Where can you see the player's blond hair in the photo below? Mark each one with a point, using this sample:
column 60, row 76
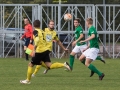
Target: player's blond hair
column 89, row 20
column 51, row 21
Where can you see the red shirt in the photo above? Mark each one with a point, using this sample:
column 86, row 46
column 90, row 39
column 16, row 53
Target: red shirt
column 28, row 31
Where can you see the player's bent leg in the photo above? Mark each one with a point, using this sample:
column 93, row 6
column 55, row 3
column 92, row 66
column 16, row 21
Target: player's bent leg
column 47, row 69
column 47, row 64
column 82, row 59
column 57, row 65
column 43, row 65
column 92, row 72
column 101, row 59
column 93, row 68
column 53, row 66
column 37, row 68
column 87, row 62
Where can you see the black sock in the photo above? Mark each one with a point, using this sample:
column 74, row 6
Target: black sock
column 26, row 56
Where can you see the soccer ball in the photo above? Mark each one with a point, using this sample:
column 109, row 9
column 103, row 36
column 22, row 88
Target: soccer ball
column 67, row 17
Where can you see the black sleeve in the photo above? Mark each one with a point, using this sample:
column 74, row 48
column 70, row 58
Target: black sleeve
column 35, row 33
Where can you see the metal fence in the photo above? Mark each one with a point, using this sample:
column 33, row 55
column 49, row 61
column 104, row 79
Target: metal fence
column 105, row 18
column 11, row 27
column 107, row 24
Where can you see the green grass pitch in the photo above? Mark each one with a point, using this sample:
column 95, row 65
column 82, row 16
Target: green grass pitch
column 12, row 70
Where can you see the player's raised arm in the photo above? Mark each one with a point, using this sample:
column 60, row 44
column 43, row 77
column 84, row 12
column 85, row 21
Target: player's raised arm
column 61, row 45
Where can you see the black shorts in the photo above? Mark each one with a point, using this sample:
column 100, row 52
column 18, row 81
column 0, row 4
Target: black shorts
column 44, row 56
column 27, row 41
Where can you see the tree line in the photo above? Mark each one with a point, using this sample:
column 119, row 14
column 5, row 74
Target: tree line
column 53, row 1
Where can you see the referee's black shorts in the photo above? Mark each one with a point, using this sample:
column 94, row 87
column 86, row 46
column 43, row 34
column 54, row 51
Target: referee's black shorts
column 44, row 56
column 27, row 41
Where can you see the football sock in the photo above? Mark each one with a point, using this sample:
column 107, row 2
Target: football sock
column 98, row 58
column 94, row 69
column 37, row 69
column 29, row 73
column 71, row 61
column 83, row 61
column 56, row 65
column 27, row 57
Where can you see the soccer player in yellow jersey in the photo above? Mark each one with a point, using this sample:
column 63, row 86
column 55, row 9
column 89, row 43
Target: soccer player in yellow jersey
column 49, row 35
column 41, row 53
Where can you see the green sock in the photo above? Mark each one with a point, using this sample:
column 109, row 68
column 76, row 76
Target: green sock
column 94, row 69
column 98, row 58
column 71, row 60
column 83, row 61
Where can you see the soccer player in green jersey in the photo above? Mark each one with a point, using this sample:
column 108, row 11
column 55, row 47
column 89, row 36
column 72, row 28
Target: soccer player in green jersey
column 79, row 47
column 91, row 52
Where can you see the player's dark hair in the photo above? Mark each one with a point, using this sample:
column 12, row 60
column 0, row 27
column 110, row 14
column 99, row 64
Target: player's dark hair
column 89, row 20
column 51, row 21
column 26, row 18
column 36, row 23
column 77, row 19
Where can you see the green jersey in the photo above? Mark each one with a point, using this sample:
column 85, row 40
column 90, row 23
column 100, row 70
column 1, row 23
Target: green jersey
column 78, row 31
column 94, row 41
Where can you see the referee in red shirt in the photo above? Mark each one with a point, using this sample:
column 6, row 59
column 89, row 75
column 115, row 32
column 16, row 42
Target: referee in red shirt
column 28, row 35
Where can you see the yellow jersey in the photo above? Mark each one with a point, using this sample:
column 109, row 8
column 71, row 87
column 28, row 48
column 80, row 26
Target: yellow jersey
column 49, row 36
column 39, row 41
